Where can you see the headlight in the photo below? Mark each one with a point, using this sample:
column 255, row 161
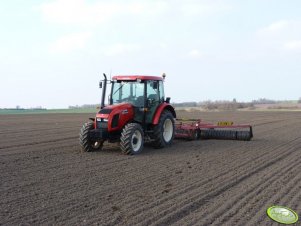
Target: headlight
column 101, row 119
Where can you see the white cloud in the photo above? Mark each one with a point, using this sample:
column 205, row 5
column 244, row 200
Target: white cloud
column 194, row 53
column 204, row 8
column 121, row 49
column 293, row 45
column 163, row 45
column 77, row 12
column 85, row 13
column 280, row 35
column 70, row 42
column 80, row 12
column 281, row 27
column 277, row 26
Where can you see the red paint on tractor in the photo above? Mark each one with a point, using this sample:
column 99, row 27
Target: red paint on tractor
column 159, row 111
column 135, row 77
column 126, row 114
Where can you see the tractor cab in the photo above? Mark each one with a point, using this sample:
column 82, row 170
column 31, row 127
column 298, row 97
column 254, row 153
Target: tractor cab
column 144, row 93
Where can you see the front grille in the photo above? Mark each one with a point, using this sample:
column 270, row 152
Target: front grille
column 102, row 125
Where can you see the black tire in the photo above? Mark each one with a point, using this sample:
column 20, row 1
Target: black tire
column 132, row 139
column 84, row 140
column 160, row 139
column 196, row 135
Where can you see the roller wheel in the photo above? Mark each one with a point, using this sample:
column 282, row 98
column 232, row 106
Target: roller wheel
column 243, row 135
column 132, row 139
column 226, row 134
column 84, row 139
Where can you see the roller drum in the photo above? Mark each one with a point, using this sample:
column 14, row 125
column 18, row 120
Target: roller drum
column 225, row 134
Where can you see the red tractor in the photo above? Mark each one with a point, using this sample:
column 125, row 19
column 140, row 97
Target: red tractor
column 137, row 112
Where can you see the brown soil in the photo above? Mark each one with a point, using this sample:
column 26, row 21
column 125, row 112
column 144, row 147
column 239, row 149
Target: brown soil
column 45, row 179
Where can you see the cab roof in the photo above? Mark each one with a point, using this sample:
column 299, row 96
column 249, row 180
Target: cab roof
column 135, row 77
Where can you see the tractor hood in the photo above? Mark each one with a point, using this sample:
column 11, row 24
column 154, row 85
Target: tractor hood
column 116, row 115
column 122, row 108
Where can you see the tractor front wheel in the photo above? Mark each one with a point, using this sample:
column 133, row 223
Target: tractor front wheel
column 132, row 139
column 164, row 131
column 84, row 139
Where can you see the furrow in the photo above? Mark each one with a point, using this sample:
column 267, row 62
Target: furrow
column 232, row 207
column 257, row 216
column 183, row 191
column 204, row 181
column 281, row 196
column 195, row 200
column 295, row 202
column 34, row 136
column 91, row 195
column 179, row 188
column 14, row 131
column 39, row 142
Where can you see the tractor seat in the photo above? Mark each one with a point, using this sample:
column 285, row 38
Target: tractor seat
column 140, row 101
column 153, row 96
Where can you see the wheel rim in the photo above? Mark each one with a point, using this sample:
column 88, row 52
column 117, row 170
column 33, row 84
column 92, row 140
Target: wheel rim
column 136, row 140
column 167, row 130
column 96, row 144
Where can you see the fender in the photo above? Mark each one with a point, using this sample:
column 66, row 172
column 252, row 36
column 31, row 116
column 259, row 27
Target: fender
column 160, row 109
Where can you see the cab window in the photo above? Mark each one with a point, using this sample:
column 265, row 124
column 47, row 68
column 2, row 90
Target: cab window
column 153, row 90
column 161, row 91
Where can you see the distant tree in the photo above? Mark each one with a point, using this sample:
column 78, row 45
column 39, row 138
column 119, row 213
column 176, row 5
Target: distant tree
column 264, row 101
column 299, row 101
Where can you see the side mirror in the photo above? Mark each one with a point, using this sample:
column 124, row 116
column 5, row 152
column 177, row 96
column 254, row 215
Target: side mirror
column 100, row 85
column 167, row 100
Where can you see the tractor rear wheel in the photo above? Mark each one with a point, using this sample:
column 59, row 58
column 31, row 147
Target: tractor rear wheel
column 132, row 139
column 84, row 139
column 164, row 131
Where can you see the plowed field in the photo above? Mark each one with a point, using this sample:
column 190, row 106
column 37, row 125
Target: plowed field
column 45, row 179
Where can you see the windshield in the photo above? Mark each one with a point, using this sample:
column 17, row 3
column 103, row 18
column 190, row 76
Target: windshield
column 128, row 91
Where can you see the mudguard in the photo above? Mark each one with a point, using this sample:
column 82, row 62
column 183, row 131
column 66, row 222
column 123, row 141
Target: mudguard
column 160, row 109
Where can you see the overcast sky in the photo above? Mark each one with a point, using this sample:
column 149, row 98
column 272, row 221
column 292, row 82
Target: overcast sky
column 53, row 53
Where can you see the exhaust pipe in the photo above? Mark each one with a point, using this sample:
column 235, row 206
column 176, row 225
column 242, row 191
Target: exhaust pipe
column 102, row 104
